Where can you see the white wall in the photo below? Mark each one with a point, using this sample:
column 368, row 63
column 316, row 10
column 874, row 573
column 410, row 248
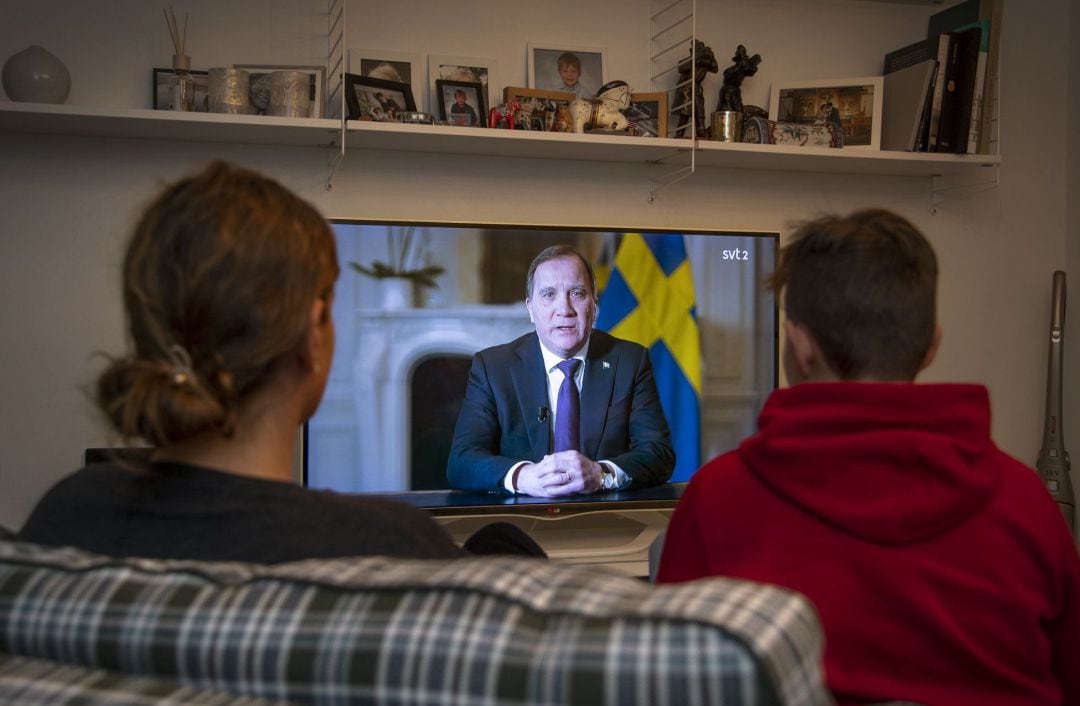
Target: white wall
column 67, row 203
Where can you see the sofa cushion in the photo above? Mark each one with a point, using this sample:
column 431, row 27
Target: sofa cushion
column 378, row 630
column 36, row 682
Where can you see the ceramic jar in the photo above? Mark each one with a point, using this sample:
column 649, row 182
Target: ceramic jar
column 34, row 75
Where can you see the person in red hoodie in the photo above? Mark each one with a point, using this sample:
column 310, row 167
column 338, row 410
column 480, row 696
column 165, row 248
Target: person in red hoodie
column 942, row 569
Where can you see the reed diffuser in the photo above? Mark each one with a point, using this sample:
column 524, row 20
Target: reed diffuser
column 181, row 85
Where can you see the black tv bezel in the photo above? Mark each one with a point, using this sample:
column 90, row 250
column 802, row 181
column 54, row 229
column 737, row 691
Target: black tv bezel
column 548, row 508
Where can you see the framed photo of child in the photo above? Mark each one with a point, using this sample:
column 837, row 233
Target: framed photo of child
column 482, row 70
column 461, row 103
column 578, row 70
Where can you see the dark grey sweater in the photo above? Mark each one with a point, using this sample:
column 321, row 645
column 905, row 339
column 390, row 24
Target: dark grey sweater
column 177, row 511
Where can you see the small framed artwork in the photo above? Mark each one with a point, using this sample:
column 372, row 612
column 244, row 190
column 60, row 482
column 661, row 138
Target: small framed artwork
column 260, row 86
column 369, row 98
column 543, row 106
column 461, row 103
column 402, row 67
column 465, row 68
column 160, row 90
column 852, row 104
column 648, row 114
column 578, row 70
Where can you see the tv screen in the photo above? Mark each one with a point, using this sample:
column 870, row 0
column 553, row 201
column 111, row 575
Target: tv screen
column 695, row 298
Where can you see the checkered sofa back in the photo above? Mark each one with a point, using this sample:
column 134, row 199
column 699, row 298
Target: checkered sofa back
column 382, row 631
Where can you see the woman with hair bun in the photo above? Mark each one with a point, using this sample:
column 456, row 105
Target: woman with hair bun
column 228, row 285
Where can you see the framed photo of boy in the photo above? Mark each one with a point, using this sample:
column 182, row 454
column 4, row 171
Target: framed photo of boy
column 403, row 67
column 578, row 70
column 648, row 113
column 259, row 76
column 472, row 69
column 461, row 103
column 853, row 104
column 369, row 98
column 159, row 97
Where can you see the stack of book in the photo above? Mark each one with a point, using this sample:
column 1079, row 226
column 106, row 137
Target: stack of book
column 940, row 92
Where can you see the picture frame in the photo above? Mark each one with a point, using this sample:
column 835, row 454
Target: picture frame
column 389, row 65
column 648, row 112
column 531, row 97
column 480, row 69
column 469, row 111
column 853, row 103
column 260, row 86
column 543, row 67
column 159, row 90
column 370, row 98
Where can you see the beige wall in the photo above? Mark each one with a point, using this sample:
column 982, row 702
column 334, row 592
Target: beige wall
column 66, row 203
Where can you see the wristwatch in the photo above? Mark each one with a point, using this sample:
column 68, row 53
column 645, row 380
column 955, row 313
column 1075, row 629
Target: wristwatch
column 608, row 479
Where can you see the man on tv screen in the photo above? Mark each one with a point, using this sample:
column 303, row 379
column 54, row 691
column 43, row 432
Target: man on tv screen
column 565, row 409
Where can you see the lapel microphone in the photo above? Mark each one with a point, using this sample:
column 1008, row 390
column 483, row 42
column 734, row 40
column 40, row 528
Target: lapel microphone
column 542, row 414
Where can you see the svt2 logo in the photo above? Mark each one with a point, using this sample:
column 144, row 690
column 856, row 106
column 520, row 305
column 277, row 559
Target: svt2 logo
column 737, row 254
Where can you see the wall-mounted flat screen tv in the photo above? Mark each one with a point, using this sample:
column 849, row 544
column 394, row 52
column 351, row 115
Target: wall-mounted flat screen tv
column 695, row 298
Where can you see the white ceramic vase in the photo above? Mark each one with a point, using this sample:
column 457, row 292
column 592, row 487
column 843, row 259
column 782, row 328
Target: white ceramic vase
column 36, row 76
column 398, row 293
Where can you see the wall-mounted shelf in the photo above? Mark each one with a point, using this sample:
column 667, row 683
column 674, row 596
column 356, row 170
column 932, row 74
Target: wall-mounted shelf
column 165, row 125
column 431, row 139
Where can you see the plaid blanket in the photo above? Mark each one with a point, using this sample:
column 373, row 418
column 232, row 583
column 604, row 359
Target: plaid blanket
column 386, row 631
column 37, row 682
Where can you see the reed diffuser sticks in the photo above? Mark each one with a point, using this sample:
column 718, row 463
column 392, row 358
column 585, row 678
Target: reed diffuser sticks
column 179, row 38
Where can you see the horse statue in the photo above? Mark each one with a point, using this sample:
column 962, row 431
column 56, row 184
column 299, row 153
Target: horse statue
column 605, row 112
column 505, row 113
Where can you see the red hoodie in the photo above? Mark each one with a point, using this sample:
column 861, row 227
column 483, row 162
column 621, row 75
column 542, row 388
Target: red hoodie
column 942, row 569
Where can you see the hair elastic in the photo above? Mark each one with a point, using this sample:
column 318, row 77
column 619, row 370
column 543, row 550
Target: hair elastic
column 181, row 361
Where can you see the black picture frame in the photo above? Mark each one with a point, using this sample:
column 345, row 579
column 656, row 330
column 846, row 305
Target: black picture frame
column 362, row 97
column 473, row 91
column 159, row 90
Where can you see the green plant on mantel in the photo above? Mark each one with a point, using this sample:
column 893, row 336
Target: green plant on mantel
column 408, row 257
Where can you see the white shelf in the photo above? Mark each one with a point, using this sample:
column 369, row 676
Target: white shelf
column 165, row 125
column 259, row 129
column 509, row 143
column 847, row 160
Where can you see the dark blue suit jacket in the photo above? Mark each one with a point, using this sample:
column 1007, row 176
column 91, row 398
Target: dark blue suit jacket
column 499, row 424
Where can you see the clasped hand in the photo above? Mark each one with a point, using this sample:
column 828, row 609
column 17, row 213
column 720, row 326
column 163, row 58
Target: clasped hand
column 562, row 473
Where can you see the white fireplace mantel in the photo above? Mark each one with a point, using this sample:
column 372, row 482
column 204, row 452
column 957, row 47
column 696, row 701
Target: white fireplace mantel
column 371, row 448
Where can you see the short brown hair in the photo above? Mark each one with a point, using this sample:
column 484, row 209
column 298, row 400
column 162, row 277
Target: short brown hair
column 557, row 252
column 865, row 286
column 569, row 59
column 219, row 279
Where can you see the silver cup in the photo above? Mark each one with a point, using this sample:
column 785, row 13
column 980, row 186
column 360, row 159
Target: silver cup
column 290, row 94
column 726, row 126
column 228, row 92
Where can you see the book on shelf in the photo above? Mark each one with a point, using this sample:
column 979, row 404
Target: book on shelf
column 959, row 88
column 988, row 112
column 985, row 14
column 906, row 94
column 934, row 122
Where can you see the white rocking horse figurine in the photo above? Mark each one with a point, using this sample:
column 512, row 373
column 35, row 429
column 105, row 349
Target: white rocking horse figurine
column 605, row 111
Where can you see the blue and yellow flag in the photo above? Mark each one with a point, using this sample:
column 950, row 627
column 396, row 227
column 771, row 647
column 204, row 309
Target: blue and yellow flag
column 649, row 298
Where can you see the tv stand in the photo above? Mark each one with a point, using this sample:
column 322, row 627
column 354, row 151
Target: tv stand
column 612, row 529
column 615, row 538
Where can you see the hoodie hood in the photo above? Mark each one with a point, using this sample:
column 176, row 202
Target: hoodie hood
column 892, row 463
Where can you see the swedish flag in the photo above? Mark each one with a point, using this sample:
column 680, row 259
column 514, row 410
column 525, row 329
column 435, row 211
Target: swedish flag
column 649, row 298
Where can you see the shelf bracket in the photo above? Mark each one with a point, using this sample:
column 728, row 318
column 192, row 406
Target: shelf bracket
column 335, row 89
column 944, row 185
column 669, row 31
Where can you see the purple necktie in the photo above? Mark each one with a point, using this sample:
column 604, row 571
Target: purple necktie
column 567, row 424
